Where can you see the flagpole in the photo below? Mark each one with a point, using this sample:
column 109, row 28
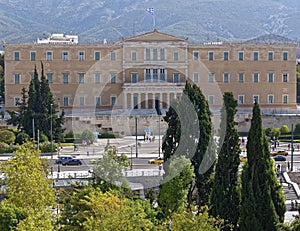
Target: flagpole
column 154, row 21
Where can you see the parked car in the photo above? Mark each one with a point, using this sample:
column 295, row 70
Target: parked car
column 280, row 153
column 279, row 158
column 158, row 160
column 63, row 159
column 72, row 162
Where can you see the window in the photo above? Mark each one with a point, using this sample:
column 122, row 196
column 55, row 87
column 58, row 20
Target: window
column 211, row 77
column 176, row 78
column 134, row 77
column 98, row 100
column 49, row 77
column 270, row 77
column 147, row 54
column 241, row 77
column 196, row 55
column 210, row 56
column 255, row 55
column 162, row 54
column 270, row 55
column 49, row 55
column 241, row 55
column 65, row 78
column 81, row 55
column 211, row 99
column 148, row 75
column 32, row 55
column 196, row 78
column 241, row 99
column 113, row 100
column 162, row 75
column 97, row 77
column 17, row 56
column 133, row 55
column 285, row 55
column 285, row 77
column 81, row 78
column 135, row 102
column 113, row 78
column 113, row 56
column 284, row 99
column 226, row 55
column 97, row 55
column 66, row 101
column 175, row 56
column 17, row 78
column 155, row 54
column 17, row 101
column 155, row 75
column 255, row 77
column 81, row 101
column 270, row 99
column 65, row 55
column 256, row 98
column 226, row 77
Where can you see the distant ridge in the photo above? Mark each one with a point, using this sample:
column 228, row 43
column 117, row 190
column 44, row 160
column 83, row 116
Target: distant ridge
column 270, row 39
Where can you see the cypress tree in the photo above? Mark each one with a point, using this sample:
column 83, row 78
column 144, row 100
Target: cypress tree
column 37, row 107
column 258, row 207
column 225, row 198
column 189, row 133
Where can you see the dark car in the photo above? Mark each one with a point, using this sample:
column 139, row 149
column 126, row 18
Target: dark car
column 63, row 159
column 279, row 158
column 72, row 162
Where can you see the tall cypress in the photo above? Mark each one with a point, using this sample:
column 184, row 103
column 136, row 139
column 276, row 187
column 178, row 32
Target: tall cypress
column 225, row 197
column 190, row 133
column 258, row 207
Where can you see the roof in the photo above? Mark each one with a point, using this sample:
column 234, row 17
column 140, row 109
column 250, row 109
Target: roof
column 154, row 36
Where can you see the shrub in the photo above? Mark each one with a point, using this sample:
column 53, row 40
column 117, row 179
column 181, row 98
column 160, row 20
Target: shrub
column 45, row 147
column 7, row 136
column 284, row 129
column 22, row 137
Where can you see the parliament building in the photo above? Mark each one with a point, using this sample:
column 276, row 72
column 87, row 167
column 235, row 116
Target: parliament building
column 94, row 82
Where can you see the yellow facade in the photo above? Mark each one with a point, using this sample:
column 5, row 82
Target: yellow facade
column 150, row 69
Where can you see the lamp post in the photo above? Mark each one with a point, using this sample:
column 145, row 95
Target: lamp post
column 131, row 146
column 159, row 134
column 51, row 136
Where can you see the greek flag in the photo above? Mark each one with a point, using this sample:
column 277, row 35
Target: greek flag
column 151, row 11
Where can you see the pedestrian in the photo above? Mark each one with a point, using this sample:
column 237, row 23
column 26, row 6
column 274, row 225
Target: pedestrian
column 289, row 186
column 288, row 165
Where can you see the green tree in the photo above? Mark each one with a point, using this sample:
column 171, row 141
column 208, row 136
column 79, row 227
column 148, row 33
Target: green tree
column 7, row 136
column 2, row 95
column 10, row 216
column 189, row 133
column 192, row 221
column 297, row 129
column 92, row 209
column 261, row 209
column 225, row 198
column 88, row 136
column 175, row 186
column 108, row 172
column 284, row 129
column 28, row 186
column 38, row 110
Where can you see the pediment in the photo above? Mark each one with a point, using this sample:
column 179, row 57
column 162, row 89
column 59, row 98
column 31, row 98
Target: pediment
column 154, row 36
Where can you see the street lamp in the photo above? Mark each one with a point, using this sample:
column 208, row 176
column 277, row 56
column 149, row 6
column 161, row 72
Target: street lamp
column 51, row 136
column 131, row 146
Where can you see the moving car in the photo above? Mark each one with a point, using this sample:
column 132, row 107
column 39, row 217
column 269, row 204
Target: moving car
column 72, row 162
column 63, row 159
column 279, row 158
column 281, row 153
column 158, row 160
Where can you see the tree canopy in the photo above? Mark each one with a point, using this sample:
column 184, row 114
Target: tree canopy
column 38, row 110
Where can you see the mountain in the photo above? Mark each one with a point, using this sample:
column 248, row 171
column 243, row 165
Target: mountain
column 199, row 20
